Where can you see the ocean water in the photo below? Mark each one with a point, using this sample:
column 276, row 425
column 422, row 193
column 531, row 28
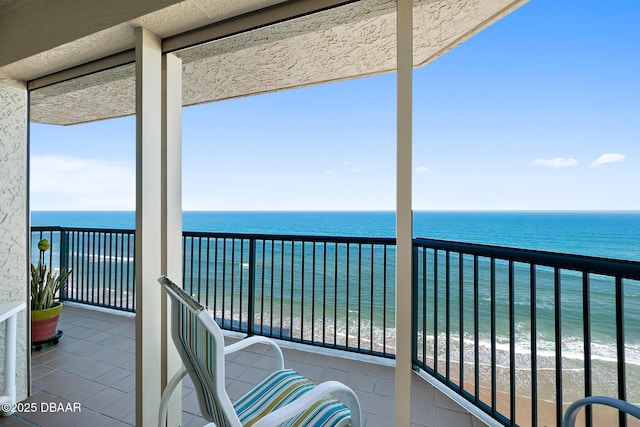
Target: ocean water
column 601, row 234
column 609, row 235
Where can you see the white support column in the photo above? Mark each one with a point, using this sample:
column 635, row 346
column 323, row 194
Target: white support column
column 404, row 216
column 148, row 226
column 171, row 215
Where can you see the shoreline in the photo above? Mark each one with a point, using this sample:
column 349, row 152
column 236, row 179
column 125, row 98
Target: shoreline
column 573, row 378
column 546, row 408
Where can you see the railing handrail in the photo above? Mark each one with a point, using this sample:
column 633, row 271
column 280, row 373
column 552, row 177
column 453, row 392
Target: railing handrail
column 246, row 236
column 46, row 228
column 589, row 264
column 81, row 229
column 294, row 237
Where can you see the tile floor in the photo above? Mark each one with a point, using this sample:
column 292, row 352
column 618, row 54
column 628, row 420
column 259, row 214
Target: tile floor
column 93, row 367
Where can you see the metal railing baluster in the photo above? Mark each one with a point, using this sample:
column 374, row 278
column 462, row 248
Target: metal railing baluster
column 476, row 331
column 557, row 299
column 622, row 384
column 448, row 315
column 492, row 285
column 586, row 328
column 251, row 298
column 461, row 321
column 512, row 343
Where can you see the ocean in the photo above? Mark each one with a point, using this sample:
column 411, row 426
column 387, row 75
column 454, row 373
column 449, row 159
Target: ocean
column 600, row 234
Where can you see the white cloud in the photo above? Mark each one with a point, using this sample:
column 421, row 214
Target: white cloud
column 607, row 158
column 346, row 169
column 421, row 169
column 349, row 168
column 72, row 183
column 558, row 162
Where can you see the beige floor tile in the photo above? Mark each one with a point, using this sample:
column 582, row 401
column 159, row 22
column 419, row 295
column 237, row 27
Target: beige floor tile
column 99, row 373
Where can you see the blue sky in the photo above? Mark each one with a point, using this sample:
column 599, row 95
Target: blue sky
column 541, row 111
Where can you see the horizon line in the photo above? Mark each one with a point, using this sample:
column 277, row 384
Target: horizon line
column 369, row 210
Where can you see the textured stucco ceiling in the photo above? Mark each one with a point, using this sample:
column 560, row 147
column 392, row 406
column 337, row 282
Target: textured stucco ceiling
column 347, row 42
column 183, row 16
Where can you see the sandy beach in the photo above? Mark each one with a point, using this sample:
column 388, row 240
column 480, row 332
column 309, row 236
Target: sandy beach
column 546, row 404
column 573, row 377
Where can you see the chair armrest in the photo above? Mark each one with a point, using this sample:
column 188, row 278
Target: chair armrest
column 166, row 395
column 308, row 399
column 247, row 342
column 572, row 411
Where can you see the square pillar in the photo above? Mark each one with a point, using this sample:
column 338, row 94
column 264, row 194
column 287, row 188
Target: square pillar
column 171, row 216
column 404, row 215
column 14, row 222
column 148, row 238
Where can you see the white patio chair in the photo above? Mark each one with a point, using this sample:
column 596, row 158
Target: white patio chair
column 572, row 411
column 283, row 398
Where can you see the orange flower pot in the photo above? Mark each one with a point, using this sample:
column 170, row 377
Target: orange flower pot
column 44, row 323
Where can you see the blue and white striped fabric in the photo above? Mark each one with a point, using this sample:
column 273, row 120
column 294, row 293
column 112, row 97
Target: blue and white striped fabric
column 277, row 390
column 281, row 388
column 199, row 346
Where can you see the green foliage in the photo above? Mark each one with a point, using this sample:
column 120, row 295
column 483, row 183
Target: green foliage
column 45, row 286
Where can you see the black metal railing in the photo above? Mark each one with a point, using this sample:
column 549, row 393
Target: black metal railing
column 101, row 260
column 521, row 334
column 335, row 292
column 505, row 328
column 327, row 291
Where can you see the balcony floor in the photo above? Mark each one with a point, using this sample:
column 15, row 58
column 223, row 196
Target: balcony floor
column 93, row 365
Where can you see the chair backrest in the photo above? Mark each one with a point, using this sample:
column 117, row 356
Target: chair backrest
column 201, row 346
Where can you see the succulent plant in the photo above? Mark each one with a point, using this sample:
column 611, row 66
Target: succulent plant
column 45, row 285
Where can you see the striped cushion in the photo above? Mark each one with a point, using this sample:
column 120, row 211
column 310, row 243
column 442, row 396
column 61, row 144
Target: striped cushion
column 326, row 412
column 283, row 387
column 199, row 347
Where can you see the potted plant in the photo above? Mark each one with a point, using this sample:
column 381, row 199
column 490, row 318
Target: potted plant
column 45, row 294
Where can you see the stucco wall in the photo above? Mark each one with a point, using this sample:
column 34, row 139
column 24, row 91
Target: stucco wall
column 13, row 218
